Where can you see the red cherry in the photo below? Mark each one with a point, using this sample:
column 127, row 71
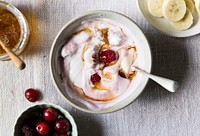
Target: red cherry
column 62, row 125
column 42, row 128
column 108, row 56
column 32, row 95
column 95, row 78
column 50, row 114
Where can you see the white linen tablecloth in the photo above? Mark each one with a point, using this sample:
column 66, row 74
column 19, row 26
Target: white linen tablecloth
column 155, row 113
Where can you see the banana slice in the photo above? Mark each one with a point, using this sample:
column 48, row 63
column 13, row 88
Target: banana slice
column 127, row 61
column 190, row 5
column 174, row 10
column 155, row 7
column 197, row 5
column 184, row 23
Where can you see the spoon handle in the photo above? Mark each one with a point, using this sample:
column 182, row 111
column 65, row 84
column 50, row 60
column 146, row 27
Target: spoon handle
column 168, row 84
column 19, row 63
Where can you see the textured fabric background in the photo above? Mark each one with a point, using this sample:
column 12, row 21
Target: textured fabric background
column 155, row 113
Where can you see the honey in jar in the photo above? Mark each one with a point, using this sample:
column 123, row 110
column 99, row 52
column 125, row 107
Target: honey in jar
column 9, row 29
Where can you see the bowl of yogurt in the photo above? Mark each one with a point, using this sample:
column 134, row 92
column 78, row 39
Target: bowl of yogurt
column 91, row 61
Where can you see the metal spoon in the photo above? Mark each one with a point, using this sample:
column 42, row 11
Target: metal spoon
column 19, row 63
column 168, row 84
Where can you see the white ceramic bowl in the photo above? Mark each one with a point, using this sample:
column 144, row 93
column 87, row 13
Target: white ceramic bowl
column 69, row 29
column 26, row 115
column 24, row 28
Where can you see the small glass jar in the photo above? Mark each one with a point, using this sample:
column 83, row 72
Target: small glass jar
column 24, row 30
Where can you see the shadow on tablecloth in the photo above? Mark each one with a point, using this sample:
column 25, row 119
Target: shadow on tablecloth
column 87, row 124
column 170, row 60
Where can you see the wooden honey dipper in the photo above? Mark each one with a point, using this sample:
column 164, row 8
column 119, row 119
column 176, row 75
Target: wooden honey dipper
column 19, row 63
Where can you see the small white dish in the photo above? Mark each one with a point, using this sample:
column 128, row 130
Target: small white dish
column 164, row 26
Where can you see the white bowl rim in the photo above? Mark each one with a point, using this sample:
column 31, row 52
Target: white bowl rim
column 62, row 110
column 51, row 66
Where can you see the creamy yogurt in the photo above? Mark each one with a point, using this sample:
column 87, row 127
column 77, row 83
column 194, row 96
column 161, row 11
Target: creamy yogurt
column 81, row 60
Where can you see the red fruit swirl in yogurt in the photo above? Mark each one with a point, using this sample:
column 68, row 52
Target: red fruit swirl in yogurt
column 97, row 63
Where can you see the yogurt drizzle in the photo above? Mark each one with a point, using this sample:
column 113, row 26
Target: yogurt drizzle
column 118, row 81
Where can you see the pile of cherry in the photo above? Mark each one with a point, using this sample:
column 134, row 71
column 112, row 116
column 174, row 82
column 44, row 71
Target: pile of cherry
column 46, row 122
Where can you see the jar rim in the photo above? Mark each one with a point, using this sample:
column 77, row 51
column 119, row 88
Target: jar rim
column 24, row 29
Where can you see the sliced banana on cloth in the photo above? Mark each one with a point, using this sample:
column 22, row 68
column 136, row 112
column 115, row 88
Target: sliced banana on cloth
column 197, row 5
column 155, row 7
column 177, row 12
column 174, row 10
column 190, row 5
column 184, row 23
